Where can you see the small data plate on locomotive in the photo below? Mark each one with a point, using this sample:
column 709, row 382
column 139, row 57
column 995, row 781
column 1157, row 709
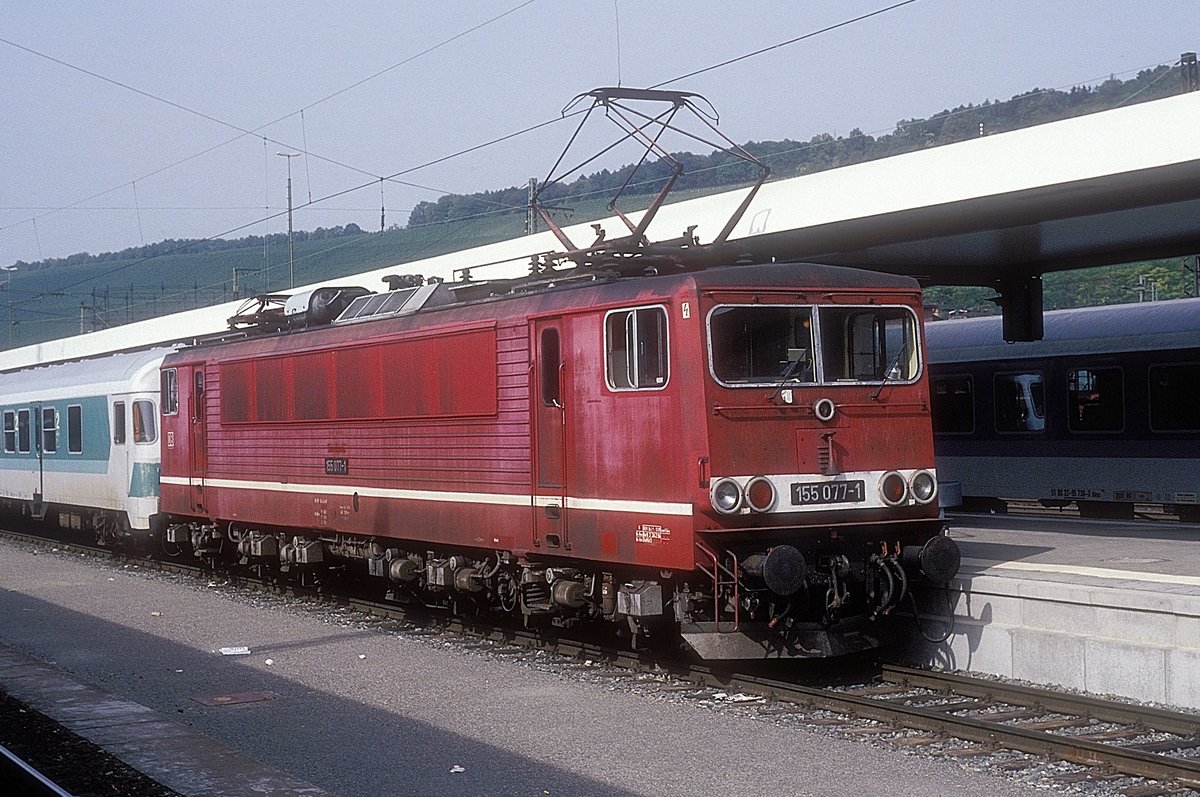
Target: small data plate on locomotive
column 336, row 466
column 847, row 492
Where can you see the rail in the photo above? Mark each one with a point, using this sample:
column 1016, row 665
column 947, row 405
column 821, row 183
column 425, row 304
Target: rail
column 19, row 777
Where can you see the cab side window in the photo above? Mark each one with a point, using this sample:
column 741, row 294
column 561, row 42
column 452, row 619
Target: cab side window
column 170, row 392
column 635, row 349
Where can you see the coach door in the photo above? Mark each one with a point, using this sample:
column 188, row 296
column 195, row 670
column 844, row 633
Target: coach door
column 197, row 412
column 551, row 406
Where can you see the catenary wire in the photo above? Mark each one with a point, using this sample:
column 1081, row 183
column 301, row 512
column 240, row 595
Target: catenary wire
column 809, row 35
column 242, row 132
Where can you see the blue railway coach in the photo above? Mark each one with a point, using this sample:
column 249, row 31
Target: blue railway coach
column 80, row 443
column 1104, row 411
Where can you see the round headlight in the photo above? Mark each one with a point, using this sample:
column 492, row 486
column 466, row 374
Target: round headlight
column 760, row 494
column 893, row 489
column 923, row 486
column 726, row 496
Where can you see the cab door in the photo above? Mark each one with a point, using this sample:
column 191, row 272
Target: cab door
column 549, row 395
column 198, row 416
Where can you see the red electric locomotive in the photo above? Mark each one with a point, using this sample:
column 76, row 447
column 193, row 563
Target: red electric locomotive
column 741, row 453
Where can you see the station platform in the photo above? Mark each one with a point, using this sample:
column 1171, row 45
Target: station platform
column 177, row 756
column 1108, row 607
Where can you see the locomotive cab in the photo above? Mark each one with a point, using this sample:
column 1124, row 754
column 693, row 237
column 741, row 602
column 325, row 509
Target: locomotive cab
column 821, row 501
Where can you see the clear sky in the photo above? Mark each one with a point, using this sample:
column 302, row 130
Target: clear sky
column 88, row 165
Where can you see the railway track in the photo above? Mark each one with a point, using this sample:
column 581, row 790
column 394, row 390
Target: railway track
column 962, row 716
column 23, row 779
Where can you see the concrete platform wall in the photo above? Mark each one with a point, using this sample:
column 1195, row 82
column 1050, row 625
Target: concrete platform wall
column 1129, row 638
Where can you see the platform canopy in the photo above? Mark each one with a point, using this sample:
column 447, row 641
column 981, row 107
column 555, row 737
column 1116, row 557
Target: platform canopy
column 999, row 210
column 1110, row 187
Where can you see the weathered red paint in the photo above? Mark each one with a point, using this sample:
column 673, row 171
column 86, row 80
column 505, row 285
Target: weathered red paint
column 470, row 401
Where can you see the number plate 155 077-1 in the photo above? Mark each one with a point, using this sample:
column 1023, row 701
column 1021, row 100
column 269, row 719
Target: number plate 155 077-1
column 846, row 492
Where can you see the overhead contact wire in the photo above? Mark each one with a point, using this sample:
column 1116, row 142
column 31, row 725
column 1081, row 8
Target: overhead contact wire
column 242, row 132
column 809, row 35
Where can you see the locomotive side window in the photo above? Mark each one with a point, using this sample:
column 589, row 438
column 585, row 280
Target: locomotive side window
column 761, row 344
column 170, row 392
column 1173, row 392
column 953, row 405
column 118, row 423
column 145, row 427
column 868, row 345
column 635, row 348
column 551, row 360
column 1020, row 402
column 1095, row 400
column 23, row 440
column 74, row 429
column 49, row 430
column 10, row 432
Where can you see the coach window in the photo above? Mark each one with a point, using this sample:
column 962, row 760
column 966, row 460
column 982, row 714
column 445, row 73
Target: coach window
column 145, row 430
column 1020, row 403
column 1095, row 400
column 74, row 429
column 49, row 430
column 635, row 348
column 118, row 423
column 953, row 405
column 1173, row 392
column 24, row 444
column 551, row 360
column 170, row 392
column 10, row 432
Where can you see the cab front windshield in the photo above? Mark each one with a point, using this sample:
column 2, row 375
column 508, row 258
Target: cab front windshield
column 775, row 344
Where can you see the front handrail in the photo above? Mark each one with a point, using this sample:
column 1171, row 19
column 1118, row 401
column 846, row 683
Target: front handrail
column 715, row 574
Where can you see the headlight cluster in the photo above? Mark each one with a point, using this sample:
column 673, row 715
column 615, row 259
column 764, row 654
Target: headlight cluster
column 894, row 489
column 729, row 497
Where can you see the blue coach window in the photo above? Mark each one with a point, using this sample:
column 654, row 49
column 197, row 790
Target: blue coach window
column 49, row 430
column 1173, row 391
column 1095, row 400
column 118, row 425
column 10, row 432
column 952, row 405
column 1020, row 402
column 145, row 429
column 23, row 436
column 75, row 429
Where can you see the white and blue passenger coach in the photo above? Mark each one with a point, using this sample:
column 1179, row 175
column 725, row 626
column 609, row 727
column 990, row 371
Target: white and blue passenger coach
column 81, row 443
